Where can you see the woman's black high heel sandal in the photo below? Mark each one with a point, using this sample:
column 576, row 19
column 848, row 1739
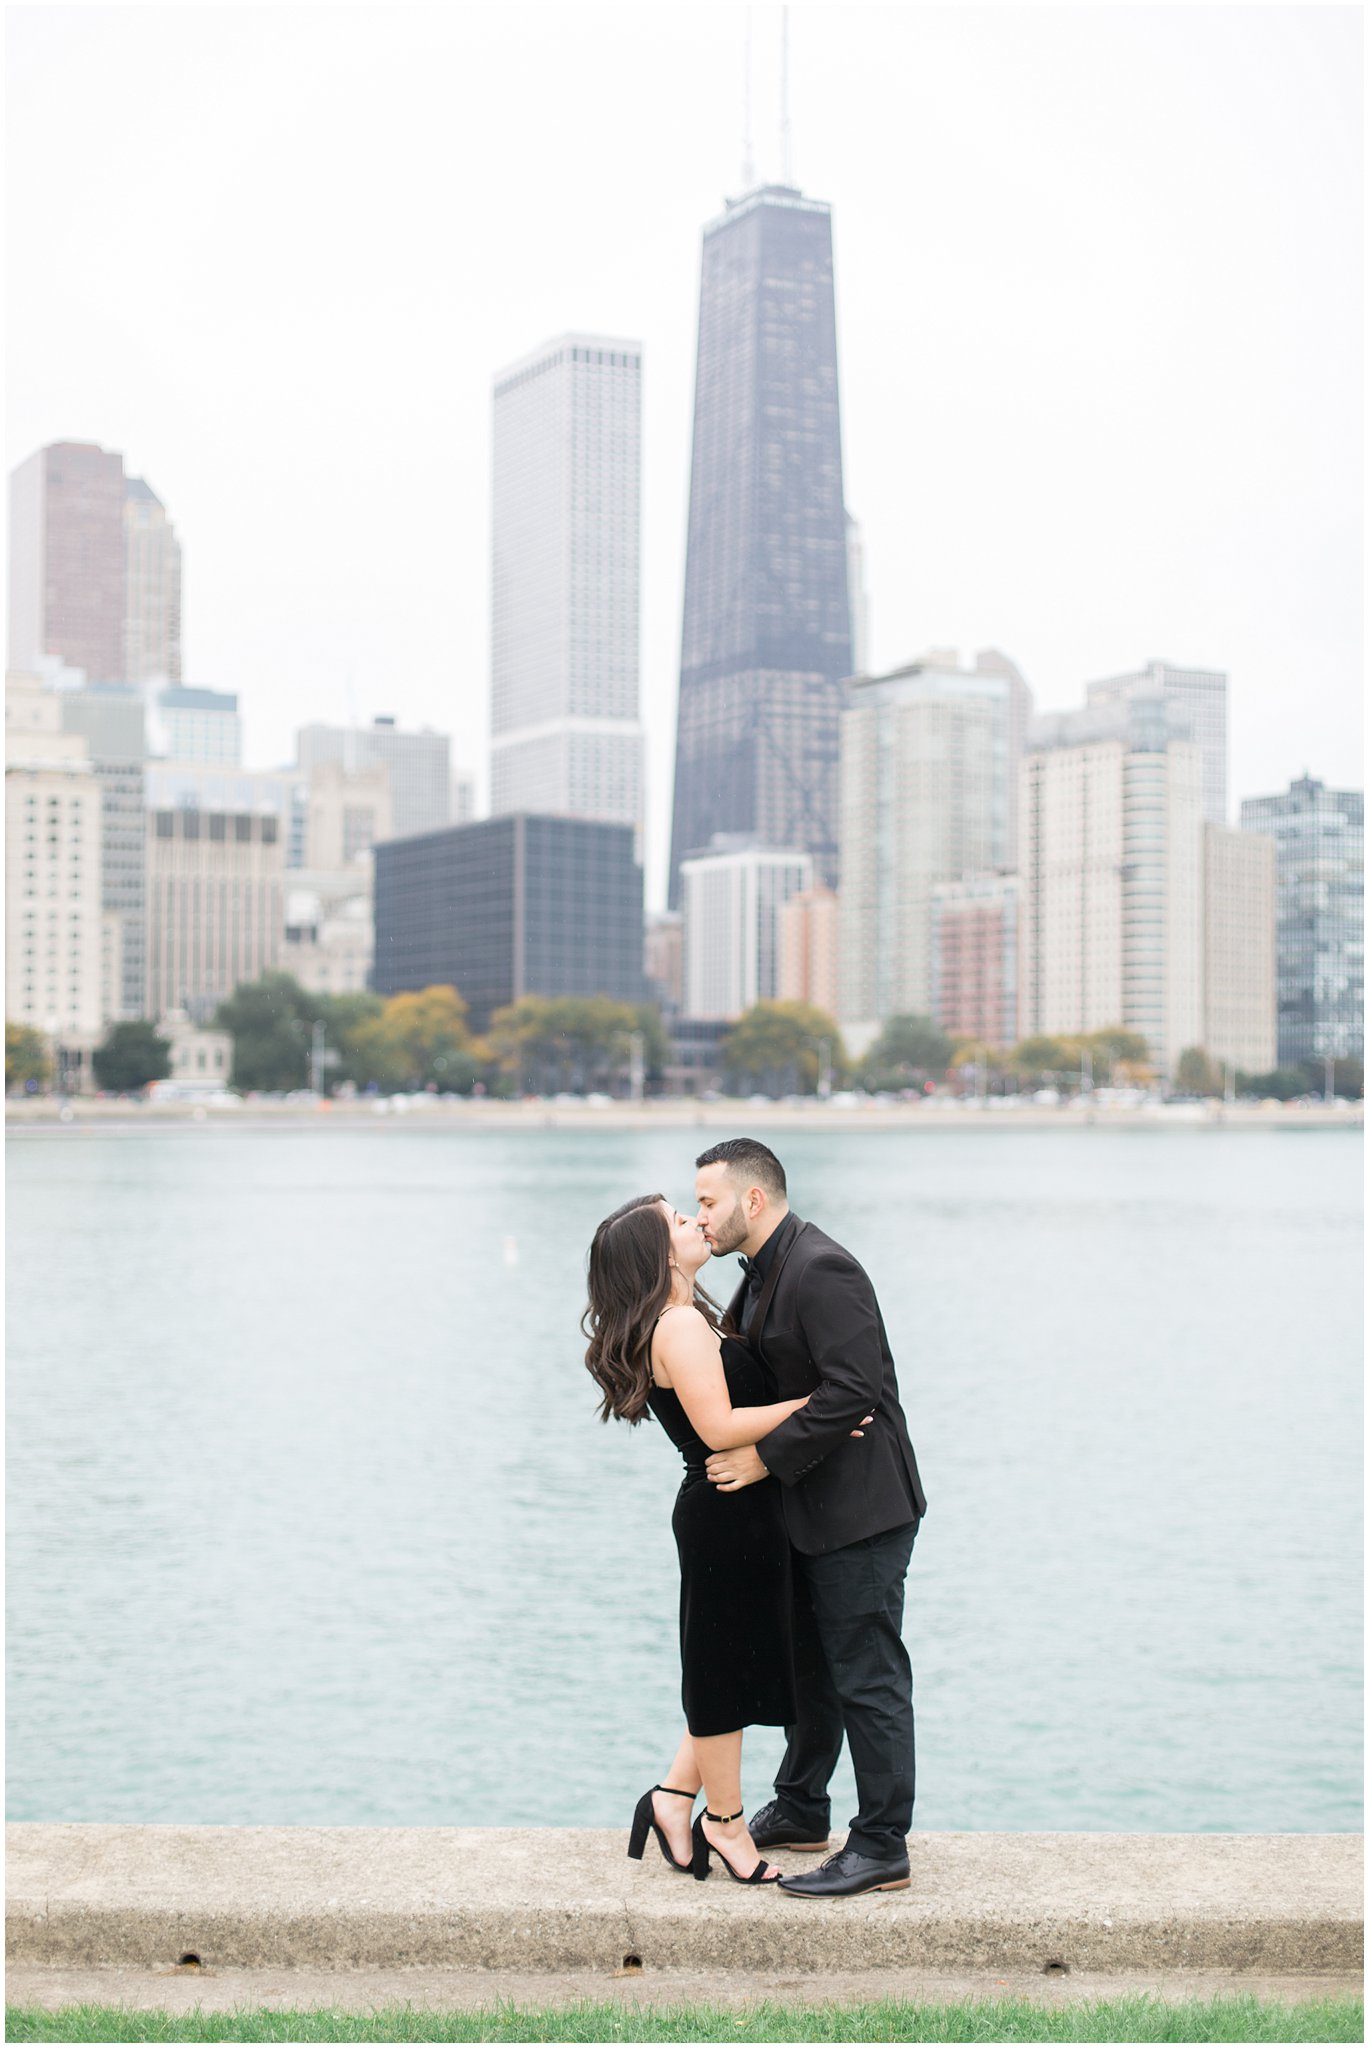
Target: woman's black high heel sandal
column 645, row 1818
column 764, row 1873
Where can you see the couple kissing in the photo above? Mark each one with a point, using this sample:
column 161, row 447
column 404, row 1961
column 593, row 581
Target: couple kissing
column 794, row 1522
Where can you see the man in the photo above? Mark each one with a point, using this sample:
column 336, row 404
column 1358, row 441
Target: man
column 852, row 1507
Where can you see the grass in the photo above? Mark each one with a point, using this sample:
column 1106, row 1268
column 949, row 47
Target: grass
column 1007, row 2019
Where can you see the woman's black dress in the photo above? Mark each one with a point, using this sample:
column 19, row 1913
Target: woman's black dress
column 736, row 1631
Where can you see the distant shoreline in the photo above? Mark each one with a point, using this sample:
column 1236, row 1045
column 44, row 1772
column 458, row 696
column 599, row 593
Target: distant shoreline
column 50, row 1118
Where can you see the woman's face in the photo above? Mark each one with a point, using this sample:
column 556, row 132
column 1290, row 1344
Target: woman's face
column 688, row 1246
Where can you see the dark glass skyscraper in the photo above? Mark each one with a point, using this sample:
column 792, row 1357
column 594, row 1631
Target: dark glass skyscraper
column 1318, row 836
column 510, row 907
column 767, row 631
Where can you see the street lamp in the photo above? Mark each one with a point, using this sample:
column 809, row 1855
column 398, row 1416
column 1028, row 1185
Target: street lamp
column 823, row 1049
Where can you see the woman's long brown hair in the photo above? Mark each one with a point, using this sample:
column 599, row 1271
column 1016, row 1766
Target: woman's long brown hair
column 629, row 1285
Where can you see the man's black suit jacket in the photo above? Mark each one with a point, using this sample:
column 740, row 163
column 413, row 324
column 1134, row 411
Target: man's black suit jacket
column 817, row 1330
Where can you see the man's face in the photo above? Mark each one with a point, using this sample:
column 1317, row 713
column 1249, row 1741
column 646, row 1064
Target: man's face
column 723, row 1216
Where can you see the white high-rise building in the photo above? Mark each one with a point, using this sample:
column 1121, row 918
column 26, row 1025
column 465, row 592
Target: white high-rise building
column 566, row 735
column 990, row 661
column 732, row 899
column 56, row 978
column 1195, row 701
column 1112, row 878
column 924, row 799
column 1239, row 989
column 857, row 597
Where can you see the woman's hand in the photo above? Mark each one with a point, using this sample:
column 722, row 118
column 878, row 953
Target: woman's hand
column 855, row 1432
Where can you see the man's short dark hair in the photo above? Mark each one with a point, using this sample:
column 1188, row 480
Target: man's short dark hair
column 746, row 1159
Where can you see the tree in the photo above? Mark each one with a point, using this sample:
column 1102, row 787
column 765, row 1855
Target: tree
column 1347, row 1079
column 1281, row 1084
column 776, row 1047
column 131, row 1057
column 1114, row 1044
column 550, row 1045
column 28, row 1063
column 419, row 1039
column 272, row 1024
column 345, row 1019
column 909, row 1051
column 1041, row 1058
column 1196, row 1072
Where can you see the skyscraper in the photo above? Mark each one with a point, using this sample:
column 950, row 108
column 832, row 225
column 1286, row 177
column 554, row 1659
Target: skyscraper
column 766, row 643
column 858, row 597
column 510, row 907
column 924, row 800
column 974, row 957
column 810, row 950
column 991, row 662
column 1112, row 877
column 733, row 896
column 1239, row 981
column 1318, row 836
column 1195, row 699
column 152, row 588
column 67, row 561
column 215, row 906
column 53, row 915
column 566, row 738
column 95, row 569
column 110, row 717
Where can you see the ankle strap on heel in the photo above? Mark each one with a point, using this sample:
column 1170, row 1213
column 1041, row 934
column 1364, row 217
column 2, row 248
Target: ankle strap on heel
column 676, row 1792
column 721, row 1819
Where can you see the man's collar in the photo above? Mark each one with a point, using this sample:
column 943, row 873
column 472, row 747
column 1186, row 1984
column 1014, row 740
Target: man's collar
column 760, row 1262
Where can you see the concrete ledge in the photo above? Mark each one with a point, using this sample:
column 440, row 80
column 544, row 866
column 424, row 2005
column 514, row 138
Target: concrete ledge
column 568, row 1900
column 369, row 1991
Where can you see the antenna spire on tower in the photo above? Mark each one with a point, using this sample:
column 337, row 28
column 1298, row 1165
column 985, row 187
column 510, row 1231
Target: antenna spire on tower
column 748, row 151
column 786, row 160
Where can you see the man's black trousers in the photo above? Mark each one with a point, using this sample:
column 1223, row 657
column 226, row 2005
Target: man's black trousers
column 854, row 1680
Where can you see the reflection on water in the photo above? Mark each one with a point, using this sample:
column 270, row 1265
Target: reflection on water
column 311, row 1522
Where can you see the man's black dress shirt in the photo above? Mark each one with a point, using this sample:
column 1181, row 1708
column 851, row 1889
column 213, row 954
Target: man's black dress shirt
column 757, row 1269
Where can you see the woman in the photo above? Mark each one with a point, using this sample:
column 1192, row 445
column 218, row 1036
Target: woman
column 656, row 1344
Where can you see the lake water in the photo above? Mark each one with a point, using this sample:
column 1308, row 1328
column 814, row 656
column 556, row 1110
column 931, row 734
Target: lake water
column 311, row 1520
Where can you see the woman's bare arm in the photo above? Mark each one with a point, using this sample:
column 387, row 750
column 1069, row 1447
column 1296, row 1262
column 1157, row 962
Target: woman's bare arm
column 688, row 1351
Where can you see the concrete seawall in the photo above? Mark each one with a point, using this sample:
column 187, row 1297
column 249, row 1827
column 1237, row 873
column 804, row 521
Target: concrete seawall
column 54, row 1116
column 537, row 1902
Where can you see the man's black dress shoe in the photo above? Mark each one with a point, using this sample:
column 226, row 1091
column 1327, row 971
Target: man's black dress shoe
column 847, row 1873
column 772, row 1828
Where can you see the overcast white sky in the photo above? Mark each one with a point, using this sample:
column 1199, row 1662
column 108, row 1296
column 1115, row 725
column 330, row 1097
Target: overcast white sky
column 1099, row 294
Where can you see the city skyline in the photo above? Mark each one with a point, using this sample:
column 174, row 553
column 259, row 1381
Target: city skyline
column 1031, row 468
